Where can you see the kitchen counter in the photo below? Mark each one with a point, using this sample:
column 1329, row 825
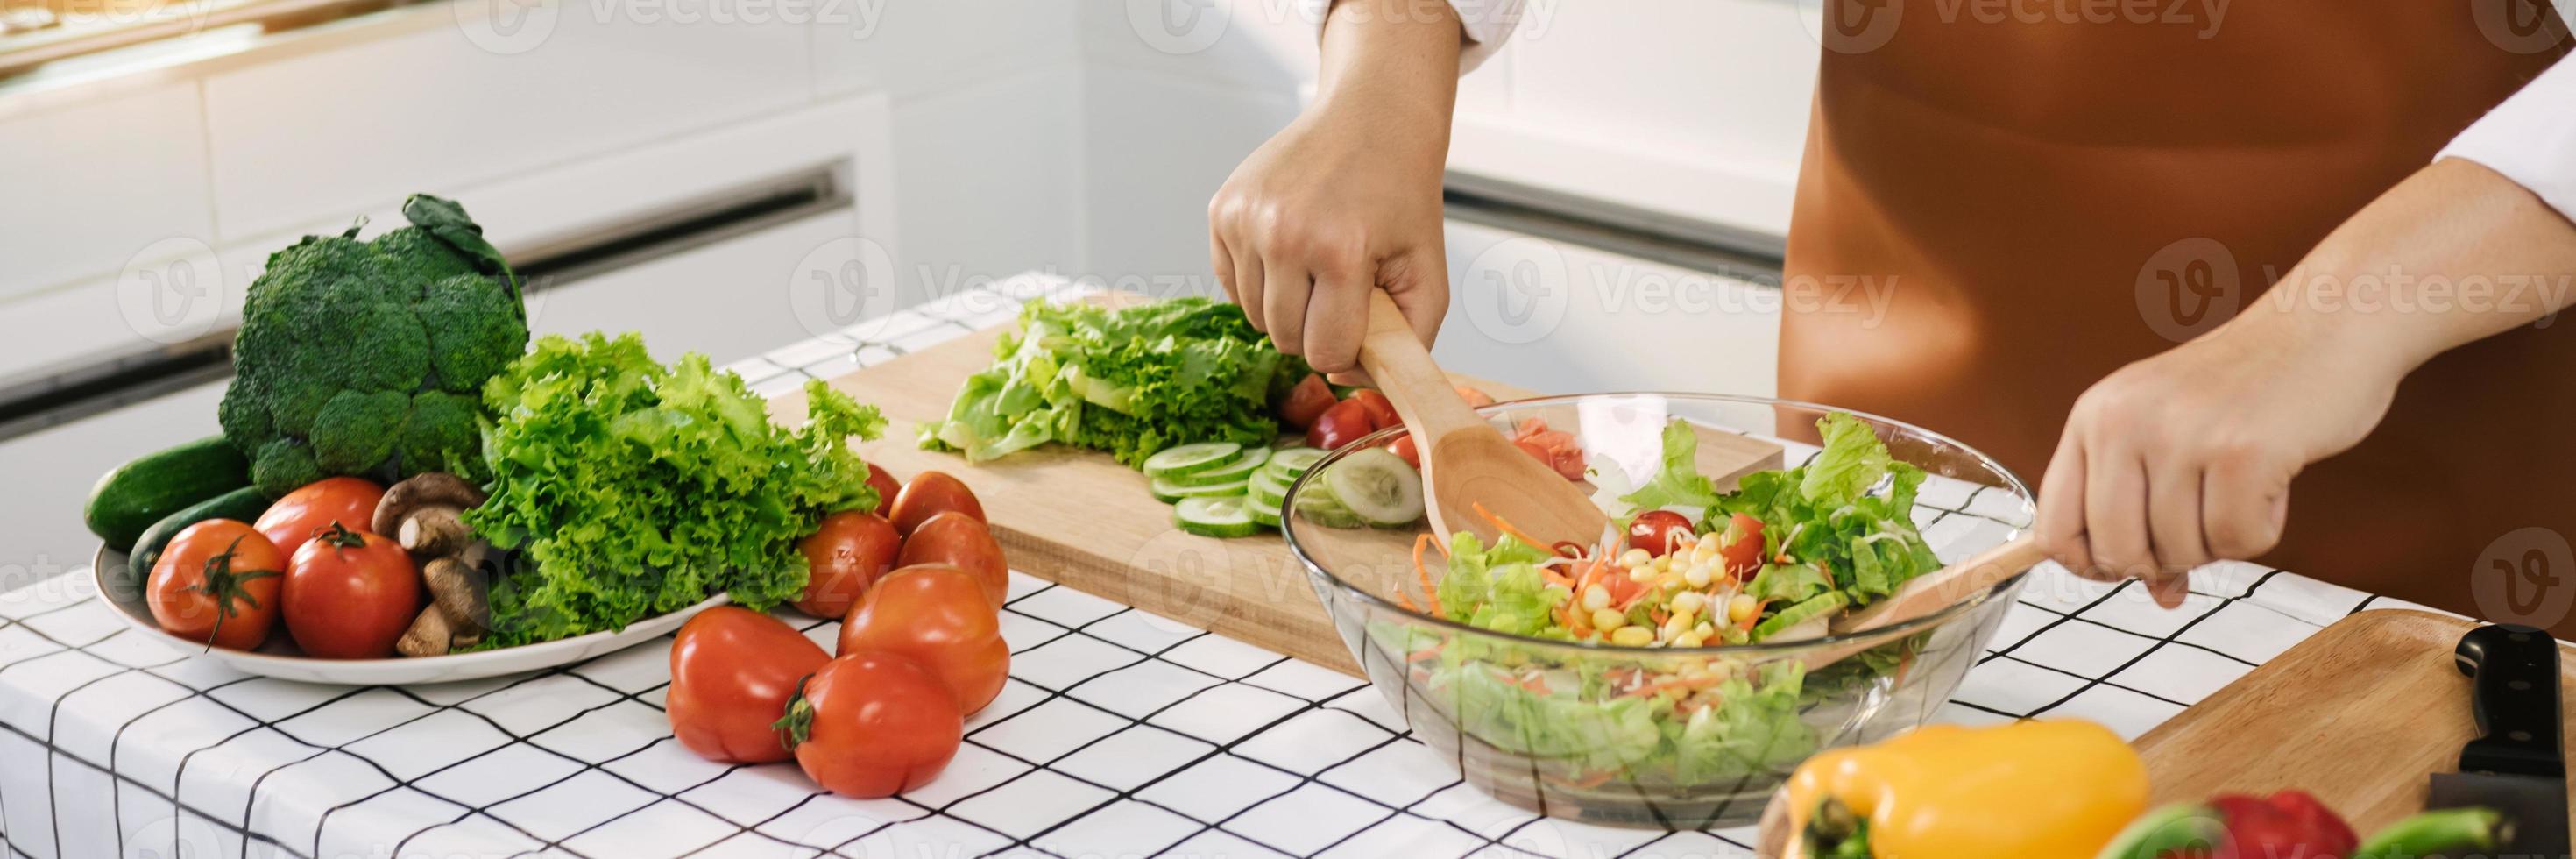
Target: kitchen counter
column 1119, row 734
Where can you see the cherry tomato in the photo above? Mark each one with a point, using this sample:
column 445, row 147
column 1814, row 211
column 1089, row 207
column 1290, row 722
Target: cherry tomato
column 872, row 725
column 1475, row 398
column 1569, row 462
column 1305, row 402
column 1659, row 532
column 929, row 494
column 217, row 583
column 936, row 615
column 349, row 595
column 849, row 551
column 884, row 483
column 1536, row 452
column 1342, row 424
column 311, row 509
column 1402, row 447
column 732, row 671
column 1381, row 411
column 1741, row 545
column 955, row 539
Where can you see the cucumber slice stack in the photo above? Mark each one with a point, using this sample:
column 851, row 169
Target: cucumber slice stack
column 1222, row 489
column 1209, row 488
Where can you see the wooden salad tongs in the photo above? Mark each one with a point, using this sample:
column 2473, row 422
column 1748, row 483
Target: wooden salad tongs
column 1466, row 462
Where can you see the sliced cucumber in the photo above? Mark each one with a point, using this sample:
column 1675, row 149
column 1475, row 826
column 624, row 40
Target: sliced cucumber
column 1169, row 492
column 1266, row 514
column 1266, row 490
column 1377, row 486
column 1243, row 465
column 1813, row 608
column 1322, row 509
column 1191, row 458
column 1215, row 516
column 1288, row 462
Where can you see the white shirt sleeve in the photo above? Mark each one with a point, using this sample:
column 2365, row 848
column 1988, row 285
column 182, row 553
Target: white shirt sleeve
column 1488, row 23
column 2530, row 138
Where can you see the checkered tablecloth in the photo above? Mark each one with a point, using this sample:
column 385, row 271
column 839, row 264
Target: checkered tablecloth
column 1119, row 734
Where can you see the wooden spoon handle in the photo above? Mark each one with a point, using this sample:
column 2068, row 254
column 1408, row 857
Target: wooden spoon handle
column 1945, row 587
column 1395, row 359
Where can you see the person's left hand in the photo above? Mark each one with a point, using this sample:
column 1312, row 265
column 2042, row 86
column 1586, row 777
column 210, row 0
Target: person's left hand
column 2186, row 457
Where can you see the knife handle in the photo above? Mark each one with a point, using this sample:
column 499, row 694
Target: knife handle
column 2514, row 678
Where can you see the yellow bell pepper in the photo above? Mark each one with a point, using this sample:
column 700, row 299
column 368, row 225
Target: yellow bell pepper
column 2028, row 790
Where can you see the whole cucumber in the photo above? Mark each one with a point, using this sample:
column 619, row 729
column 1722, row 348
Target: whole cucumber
column 240, row 505
column 129, row 499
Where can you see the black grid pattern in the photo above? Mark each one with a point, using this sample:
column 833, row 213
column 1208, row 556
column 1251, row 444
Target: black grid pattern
column 1120, row 733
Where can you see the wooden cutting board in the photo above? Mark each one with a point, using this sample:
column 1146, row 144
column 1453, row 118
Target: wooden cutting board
column 1081, row 519
column 2360, row 714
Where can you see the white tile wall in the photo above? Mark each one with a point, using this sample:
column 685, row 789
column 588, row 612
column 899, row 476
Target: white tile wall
column 988, row 180
column 910, row 47
column 1157, row 147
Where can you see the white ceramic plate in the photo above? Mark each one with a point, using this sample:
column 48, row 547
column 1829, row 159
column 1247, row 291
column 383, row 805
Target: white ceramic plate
column 123, row 591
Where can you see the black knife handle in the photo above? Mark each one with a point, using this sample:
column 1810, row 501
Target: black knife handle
column 2514, row 679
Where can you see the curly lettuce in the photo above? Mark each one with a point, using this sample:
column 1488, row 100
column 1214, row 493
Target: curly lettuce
column 1129, row 381
column 630, row 489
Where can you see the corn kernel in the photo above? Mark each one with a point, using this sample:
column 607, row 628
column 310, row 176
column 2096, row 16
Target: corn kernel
column 1633, row 636
column 1641, row 574
column 1596, row 598
column 1674, row 627
column 1686, row 602
column 1708, row 542
column 1634, row 557
column 1704, row 629
column 1699, row 576
column 1741, row 607
column 1609, row 620
column 1689, row 639
column 1702, row 555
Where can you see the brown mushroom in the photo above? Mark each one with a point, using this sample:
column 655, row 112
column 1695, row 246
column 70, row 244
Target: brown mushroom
column 432, row 532
column 429, row 635
column 457, row 591
column 426, row 489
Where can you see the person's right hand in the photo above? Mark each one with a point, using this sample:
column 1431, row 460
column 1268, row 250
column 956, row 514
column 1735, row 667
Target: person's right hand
column 1347, row 197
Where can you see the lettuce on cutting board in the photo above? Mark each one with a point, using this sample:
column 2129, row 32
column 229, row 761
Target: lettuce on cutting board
column 1129, row 381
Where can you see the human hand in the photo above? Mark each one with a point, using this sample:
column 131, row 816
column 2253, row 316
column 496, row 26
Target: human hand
column 2186, row 457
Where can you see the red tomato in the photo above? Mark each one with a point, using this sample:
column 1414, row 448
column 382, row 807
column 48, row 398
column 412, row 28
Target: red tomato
column 217, row 583
column 1381, row 411
column 1554, row 447
column 1306, row 401
column 732, row 671
column 1402, row 446
column 929, row 494
column 872, row 725
column 1474, row 398
column 936, row 615
column 1568, row 462
column 959, row 541
column 1658, row 532
column 884, row 483
column 851, row 550
column 311, row 509
column 349, row 595
column 1342, row 424
column 1536, row 452
column 1741, row 545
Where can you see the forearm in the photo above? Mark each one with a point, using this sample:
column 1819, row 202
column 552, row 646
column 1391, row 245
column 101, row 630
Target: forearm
column 2453, row 254
column 1392, row 64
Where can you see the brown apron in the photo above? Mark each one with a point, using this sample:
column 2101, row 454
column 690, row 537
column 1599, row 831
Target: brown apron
column 2037, row 200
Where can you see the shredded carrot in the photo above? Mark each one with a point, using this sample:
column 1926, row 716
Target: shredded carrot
column 1424, row 655
column 1595, row 779
column 1505, row 527
column 1755, row 619
column 1660, row 616
column 1422, row 574
column 1406, row 600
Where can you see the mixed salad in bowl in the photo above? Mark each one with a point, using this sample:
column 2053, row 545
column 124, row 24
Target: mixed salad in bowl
column 1665, row 674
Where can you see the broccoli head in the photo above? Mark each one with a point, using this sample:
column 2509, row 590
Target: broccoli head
column 352, row 355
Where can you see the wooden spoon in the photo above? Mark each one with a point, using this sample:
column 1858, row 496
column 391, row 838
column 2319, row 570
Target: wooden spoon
column 1465, row 461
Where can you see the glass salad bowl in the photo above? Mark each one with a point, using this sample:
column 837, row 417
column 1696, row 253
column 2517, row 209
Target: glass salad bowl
column 1513, row 677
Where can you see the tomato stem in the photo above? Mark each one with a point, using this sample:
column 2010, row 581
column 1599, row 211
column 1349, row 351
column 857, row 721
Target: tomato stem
column 223, row 585
column 340, row 536
column 797, row 725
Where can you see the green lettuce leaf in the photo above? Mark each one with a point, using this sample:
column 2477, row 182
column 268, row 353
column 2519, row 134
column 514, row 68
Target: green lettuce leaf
column 1677, row 483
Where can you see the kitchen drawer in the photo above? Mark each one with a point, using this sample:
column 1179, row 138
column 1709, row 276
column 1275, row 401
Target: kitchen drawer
column 340, row 131
column 729, row 300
